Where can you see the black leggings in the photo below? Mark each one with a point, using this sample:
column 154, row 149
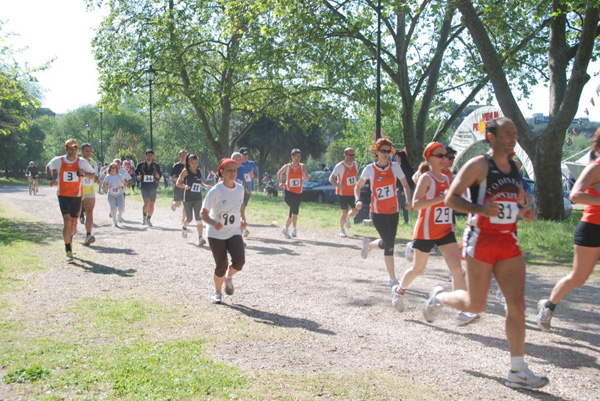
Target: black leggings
column 192, row 209
column 386, row 225
column 293, row 200
column 220, row 247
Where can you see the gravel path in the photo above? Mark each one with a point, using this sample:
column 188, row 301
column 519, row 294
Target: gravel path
column 313, row 305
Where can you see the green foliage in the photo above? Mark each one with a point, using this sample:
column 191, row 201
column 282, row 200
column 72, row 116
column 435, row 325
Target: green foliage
column 23, row 375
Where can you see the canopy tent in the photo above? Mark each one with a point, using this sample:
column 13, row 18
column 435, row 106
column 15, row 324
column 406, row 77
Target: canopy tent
column 472, row 131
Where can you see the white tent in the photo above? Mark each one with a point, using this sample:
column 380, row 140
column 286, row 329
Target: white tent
column 472, row 130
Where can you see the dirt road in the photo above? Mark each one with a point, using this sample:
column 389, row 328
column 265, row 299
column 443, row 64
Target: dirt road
column 311, row 304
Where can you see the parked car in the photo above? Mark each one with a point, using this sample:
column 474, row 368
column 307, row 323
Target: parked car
column 318, row 188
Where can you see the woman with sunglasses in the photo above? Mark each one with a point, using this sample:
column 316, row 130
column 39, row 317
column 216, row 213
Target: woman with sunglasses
column 382, row 174
column 295, row 172
column 221, row 211
column 434, row 228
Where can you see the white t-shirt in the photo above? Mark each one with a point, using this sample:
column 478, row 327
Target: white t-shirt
column 224, row 205
column 55, row 164
column 339, row 168
column 115, row 184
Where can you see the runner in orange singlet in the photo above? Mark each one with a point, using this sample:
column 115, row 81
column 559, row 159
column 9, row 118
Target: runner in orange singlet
column 70, row 170
column 294, row 172
column 586, row 239
column 434, row 228
column 344, row 177
column 382, row 175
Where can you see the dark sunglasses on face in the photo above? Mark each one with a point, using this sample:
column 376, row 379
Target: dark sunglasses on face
column 388, row 151
column 440, row 155
column 451, row 157
column 350, row 154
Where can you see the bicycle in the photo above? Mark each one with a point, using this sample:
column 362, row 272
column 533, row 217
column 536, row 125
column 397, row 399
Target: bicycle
column 33, row 186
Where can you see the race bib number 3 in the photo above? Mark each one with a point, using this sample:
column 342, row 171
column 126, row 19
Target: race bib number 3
column 196, row 187
column 442, row 215
column 295, row 182
column 350, row 181
column 384, row 192
column 509, row 211
column 148, row 178
column 70, row 176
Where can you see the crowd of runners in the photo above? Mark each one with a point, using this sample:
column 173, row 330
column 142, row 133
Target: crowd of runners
column 488, row 187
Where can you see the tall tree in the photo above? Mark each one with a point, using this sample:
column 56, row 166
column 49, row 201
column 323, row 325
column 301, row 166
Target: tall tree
column 229, row 59
column 573, row 32
column 424, row 54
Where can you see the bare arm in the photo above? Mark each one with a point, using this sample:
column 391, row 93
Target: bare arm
column 408, row 205
column 280, row 174
column 589, row 176
column 423, row 186
column 179, row 182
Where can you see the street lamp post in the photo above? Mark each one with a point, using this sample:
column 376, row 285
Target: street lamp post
column 150, row 76
column 101, row 112
column 378, row 107
column 88, row 128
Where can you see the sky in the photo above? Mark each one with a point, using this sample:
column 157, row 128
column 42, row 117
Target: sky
column 63, row 29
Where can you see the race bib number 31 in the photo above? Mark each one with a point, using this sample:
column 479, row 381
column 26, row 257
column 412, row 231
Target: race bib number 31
column 148, row 178
column 70, row 176
column 509, row 211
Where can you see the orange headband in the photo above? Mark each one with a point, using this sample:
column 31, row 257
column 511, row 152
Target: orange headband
column 430, row 148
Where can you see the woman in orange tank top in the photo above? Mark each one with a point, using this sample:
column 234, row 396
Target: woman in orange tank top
column 295, row 172
column 434, row 227
column 586, row 239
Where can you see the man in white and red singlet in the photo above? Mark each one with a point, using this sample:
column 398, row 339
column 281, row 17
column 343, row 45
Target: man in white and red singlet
column 344, row 177
column 129, row 166
column 490, row 244
column 70, row 171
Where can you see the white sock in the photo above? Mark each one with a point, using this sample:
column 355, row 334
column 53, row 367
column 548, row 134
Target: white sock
column 517, row 363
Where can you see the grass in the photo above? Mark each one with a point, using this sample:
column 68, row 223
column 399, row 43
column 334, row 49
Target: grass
column 5, row 182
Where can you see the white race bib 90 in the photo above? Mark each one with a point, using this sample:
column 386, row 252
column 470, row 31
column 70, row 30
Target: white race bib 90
column 70, row 176
column 384, row 192
column 196, row 187
column 148, row 178
column 350, row 181
column 87, row 182
column 509, row 211
column 442, row 215
column 229, row 219
column 295, row 182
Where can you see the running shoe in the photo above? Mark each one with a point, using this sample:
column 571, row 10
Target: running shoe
column 148, row 223
column 294, row 232
column 89, row 239
column 347, row 223
column 365, row 248
column 246, row 233
column 216, row 297
column 285, row 233
column 201, row 241
column 409, row 254
column 525, row 379
column 121, row 219
column 184, row 233
column 342, row 233
column 173, row 207
column 432, row 306
column 229, row 286
column 464, row 318
column 544, row 317
column 393, row 282
column 398, row 298
column 70, row 258
column 143, row 221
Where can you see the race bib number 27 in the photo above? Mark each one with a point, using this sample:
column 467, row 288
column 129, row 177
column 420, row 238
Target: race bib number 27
column 385, row 192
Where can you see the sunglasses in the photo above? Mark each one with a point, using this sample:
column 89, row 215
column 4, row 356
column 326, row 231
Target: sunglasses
column 388, row 151
column 73, row 147
column 451, row 157
column 350, row 154
column 441, row 155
